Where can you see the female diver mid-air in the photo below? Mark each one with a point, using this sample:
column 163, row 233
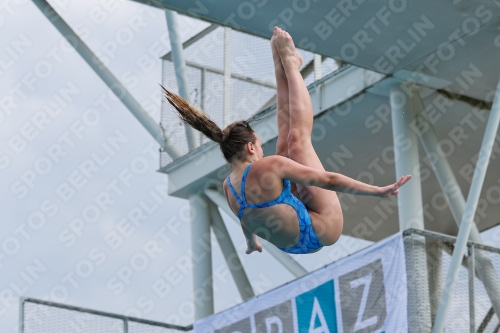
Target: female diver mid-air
column 288, row 199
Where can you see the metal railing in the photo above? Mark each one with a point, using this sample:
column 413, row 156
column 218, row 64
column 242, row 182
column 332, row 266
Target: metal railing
column 473, row 297
column 44, row 316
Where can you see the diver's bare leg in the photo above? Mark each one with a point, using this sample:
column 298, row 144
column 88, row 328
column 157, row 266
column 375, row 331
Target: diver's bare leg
column 282, row 108
column 282, row 111
column 322, row 204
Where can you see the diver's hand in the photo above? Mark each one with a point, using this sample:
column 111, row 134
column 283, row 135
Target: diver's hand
column 393, row 189
column 254, row 246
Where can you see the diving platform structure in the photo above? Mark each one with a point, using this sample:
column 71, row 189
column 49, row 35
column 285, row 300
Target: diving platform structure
column 418, row 96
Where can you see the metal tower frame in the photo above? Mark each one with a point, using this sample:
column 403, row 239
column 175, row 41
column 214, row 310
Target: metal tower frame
column 326, row 93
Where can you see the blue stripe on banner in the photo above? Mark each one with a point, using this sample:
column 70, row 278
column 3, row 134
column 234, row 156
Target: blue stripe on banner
column 316, row 310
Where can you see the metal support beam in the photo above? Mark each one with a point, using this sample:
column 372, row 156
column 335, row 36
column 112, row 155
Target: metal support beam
column 435, row 271
column 193, row 40
column 227, row 77
column 125, row 325
column 440, row 165
column 317, row 67
column 21, row 314
column 471, row 263
column 486, row 321
column 307, row 69
column 406, row 159
column 410, row 207
column 232, row 260
column 202, row 256
column 286, row 260
column 202, row 95
column 470, row 209
column 180, row 70
column 109, row 79
column 455, row 199
column 233, row 75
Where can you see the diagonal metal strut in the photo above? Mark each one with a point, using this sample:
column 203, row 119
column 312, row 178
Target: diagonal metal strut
column 109, row 79
column 470, row 209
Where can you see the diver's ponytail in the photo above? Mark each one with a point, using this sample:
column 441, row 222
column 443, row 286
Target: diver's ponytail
column 194, row 117
column 231, row 140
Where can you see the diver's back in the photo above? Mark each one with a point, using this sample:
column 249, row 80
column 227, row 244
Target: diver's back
column 264, row 201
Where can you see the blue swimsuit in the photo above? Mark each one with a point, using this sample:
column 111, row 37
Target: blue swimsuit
column 308, row 241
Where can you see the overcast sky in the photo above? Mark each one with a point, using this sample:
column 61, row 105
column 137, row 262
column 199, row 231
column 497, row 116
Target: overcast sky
column 75, row 164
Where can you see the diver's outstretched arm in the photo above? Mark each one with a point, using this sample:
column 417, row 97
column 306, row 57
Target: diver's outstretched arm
column 289, row 169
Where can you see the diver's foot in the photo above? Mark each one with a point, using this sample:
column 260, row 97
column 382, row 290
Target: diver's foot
column 278, row 66
column 288, row 54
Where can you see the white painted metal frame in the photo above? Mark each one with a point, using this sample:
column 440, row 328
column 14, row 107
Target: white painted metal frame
column 192, row 40
column 202, row 273
column 202, row 270
column 201, row 247
column 227, row 78
column 406, row 159
column 230, row 255
column 202, row 96
column 455, row 199
column 232, row 75
column 470, row 209
column 180, row 70
column 109, row 79
column 317, row 67
column 410, row 207
column 126, row 319
column 472, row 270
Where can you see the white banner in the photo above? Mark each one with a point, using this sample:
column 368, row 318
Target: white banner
column 362, row 293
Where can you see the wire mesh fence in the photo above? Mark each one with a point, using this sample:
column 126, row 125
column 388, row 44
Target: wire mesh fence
column 37, row 316
column 252, row 85
column 484, row 317
column 477, row 285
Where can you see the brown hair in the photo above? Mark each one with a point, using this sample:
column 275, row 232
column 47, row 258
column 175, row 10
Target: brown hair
column 231, row 140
